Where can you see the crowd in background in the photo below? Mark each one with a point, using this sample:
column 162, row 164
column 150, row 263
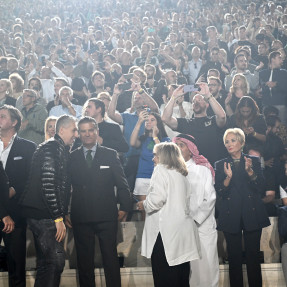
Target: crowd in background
column 149, row 70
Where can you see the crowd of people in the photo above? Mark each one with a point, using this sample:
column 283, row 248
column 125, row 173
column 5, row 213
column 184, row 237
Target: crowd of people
column 180, row 105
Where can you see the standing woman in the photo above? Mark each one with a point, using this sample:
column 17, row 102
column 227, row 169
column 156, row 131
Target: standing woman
column 154, row 134
column 239, row 184
column 170, row 236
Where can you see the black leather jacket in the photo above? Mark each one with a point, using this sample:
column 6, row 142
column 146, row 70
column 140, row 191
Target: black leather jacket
column 48, row 188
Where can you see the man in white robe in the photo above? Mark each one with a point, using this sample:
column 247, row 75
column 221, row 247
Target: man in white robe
column 205, row 271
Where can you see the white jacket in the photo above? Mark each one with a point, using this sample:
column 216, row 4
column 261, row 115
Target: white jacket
column 166, row 212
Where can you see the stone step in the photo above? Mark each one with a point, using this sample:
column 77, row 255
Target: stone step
column 142, row 277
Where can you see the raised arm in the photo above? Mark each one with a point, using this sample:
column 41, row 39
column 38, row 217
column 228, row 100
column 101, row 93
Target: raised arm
column 215, row 105
column 167, row 117
column 112, row 113
column 134, row 141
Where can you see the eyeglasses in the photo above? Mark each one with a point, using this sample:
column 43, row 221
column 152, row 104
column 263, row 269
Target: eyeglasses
column 195, row 66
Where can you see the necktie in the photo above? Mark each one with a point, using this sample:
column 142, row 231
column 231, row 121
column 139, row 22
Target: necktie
column 89, row 158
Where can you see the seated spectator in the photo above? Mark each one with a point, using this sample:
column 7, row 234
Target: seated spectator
column 17, row 85
column 34, row 116
column 274, row 153
column 282, row 130
column 192, row 67
column 33, row 84
column 66, row 107
column 241, row 65
column 97, row 83
column 6, row 93
column 239, row 88
column 58, row 84
column 215, row 88
column 248, row 119
column 151, row 83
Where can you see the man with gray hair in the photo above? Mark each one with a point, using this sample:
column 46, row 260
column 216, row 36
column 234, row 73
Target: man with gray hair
column 45, row 200
column 34, row 116
column 66, row 107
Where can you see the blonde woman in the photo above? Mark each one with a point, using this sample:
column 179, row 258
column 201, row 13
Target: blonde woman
column 6, row 92
column 239, row 88
column 17, row 84
column 170, row 236
column 50, row 129
column 239, row 184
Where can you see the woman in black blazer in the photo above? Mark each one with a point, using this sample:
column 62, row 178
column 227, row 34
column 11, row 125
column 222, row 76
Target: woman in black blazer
column 239, row 184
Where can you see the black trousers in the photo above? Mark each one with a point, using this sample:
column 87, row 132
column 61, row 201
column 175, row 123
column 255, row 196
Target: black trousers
column 165, row 275
column 15, row 243
column 50, row 253
column 252, row 251
column 84, row 235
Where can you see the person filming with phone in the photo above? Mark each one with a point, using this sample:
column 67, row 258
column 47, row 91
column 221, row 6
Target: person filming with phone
column 203, row 128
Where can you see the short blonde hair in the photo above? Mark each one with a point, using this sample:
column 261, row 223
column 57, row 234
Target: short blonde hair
column 169, row 155
column 239, row 134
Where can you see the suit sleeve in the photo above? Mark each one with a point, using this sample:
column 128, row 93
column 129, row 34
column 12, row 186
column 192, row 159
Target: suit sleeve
column 123, row 192
column 4, row 191
column 19, row 185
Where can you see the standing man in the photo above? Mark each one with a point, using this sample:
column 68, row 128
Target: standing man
column 274, row 85
column 110, row 135
column 45, row 201
column 204, row 271
column 95, row 171
column 15, row 154
column 204, row 129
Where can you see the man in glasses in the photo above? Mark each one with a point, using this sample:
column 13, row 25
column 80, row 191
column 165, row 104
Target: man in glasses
column 34, row 116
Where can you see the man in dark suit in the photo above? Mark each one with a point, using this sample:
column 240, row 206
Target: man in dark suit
column 16, row 154
column 95, row 171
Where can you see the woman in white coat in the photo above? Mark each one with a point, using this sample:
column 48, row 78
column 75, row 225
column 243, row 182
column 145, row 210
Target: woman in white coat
column 205, row 271
column 170, row 236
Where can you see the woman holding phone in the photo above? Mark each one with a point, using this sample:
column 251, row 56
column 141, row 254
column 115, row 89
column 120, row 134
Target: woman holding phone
column 154, row 134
